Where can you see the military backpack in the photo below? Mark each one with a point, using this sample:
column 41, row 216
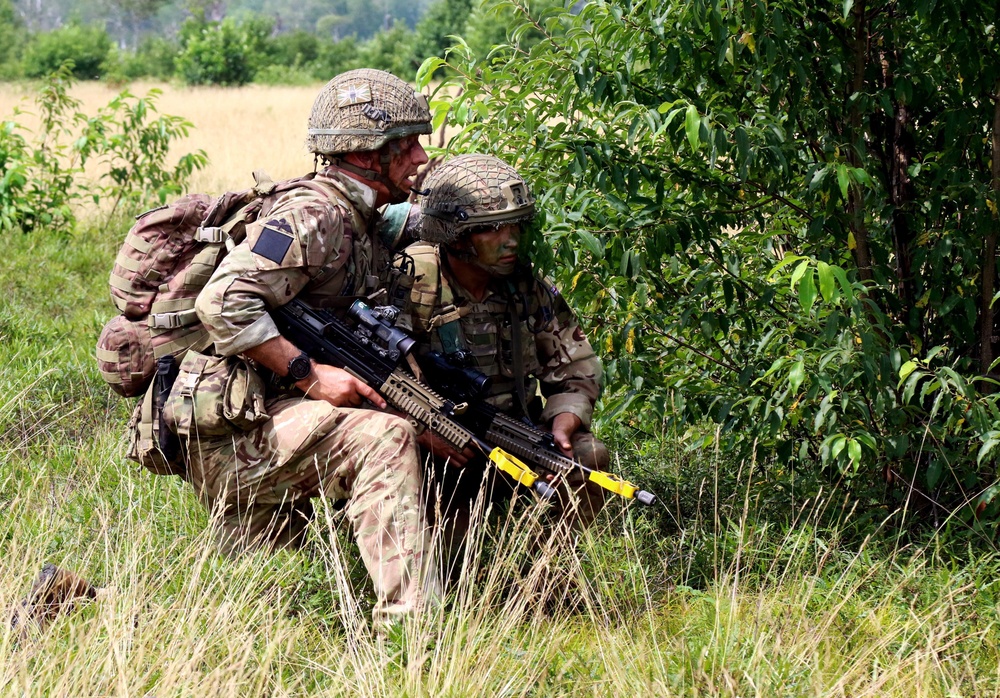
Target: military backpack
column 166, row 259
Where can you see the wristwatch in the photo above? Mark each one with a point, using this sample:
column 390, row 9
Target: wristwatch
column 300, row 367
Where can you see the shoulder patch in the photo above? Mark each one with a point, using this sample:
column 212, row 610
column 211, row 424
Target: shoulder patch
column 274, row 240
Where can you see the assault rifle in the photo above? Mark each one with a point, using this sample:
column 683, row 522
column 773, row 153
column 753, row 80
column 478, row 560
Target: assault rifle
column 535, row 446
column 372, row 353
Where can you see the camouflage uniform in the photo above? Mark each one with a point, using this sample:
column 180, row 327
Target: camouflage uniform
column 519, row 312
column 318, row 248
column 557, row 361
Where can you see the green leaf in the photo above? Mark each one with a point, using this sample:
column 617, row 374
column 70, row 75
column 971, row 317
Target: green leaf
column 906, row 369
column 826, row 283
column 845, row 284
column 843, row 179
column 807, row 290
column 692, row 125
column 798, row 273
column 933, row 474
column 854, row 452
column 591, row 242
column 786, row 260
column 796, row 375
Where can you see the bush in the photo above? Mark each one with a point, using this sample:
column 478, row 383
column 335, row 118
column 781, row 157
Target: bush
column 335, row 57
column 390, row 51
column 11, row 41
column 296, row 48
column 285, row 75
column 87, row 47
column 155, row 58
column 223, row 53
column 784, row 243
column 42, row 174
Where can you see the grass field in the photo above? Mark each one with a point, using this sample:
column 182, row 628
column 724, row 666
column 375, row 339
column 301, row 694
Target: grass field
column 715, row 595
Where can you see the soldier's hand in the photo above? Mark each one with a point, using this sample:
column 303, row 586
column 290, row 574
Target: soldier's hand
column 564, row 426
column 338, row 387
column 439, row 448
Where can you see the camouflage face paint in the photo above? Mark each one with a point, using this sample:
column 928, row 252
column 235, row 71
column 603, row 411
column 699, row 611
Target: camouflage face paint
column 496, row 250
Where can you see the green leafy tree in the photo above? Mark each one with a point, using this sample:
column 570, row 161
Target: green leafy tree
column 389, row 51
column 443, row 19
column 222, row 53
column 86, row 47
column 11, row 39
column 780, row 220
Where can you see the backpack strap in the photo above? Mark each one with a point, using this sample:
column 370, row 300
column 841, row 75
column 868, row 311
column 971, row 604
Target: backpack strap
column 433, row 298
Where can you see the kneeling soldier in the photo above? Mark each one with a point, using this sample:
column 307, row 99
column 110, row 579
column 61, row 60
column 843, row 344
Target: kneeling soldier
column 475, row 302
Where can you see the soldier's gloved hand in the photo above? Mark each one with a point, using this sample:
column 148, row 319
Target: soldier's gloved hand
column 439, row 448
column 564, row 426
column 338, row 387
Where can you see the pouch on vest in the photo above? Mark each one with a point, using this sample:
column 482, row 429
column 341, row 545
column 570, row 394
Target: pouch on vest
column 214, row 396
column 144, row 440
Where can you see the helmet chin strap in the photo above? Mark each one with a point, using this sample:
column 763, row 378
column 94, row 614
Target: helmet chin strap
column 396, row 194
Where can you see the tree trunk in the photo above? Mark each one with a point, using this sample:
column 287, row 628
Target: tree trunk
column 855, row 197
column 986, row 327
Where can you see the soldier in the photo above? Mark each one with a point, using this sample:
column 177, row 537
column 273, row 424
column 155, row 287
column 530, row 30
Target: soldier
column 474, row 301
column 317, row 243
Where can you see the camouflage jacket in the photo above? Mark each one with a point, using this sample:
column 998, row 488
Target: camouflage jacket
column 556, row 356
column 308, row 245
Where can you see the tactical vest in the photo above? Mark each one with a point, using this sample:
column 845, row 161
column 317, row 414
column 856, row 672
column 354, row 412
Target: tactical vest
column 486, row 330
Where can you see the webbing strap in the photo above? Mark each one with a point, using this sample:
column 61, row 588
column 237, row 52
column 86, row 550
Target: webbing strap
column 138, row 243
column 147, row 440
column 132, row 265
column 185, row 386
column 170, row 305
column 197, row 339
column 112, row 377
column 107, row 355
column 517, row 360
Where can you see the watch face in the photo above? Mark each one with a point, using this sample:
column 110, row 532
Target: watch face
column 300, row 367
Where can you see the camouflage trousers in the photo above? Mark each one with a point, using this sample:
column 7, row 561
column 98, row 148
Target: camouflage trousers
column 453, row 493
column 261, row 482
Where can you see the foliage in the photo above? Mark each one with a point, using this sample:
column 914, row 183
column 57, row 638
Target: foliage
column 154, row 58
column 220, row 53
column 87, row 47
column 776, row 218
column 443, row 19
column 11, row 39
column 390, row 51
column 126, row 142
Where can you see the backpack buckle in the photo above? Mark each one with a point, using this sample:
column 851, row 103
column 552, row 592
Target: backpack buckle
column 211, row 234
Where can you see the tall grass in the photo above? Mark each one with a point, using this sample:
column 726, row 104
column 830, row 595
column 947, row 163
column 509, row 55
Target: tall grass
column 745, row 591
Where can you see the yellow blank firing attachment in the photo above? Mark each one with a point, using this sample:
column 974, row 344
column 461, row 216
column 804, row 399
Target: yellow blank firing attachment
column 520, row 472
column 613, row 483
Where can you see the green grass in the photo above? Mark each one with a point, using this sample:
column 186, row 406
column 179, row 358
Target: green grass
column 733, row 588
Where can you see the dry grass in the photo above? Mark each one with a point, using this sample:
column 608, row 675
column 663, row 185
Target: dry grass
column 241, row 129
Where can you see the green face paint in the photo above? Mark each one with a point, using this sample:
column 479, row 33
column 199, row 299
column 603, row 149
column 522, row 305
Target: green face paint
column 496, row 250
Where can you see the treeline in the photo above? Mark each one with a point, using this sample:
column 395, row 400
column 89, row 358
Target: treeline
column 212, row 47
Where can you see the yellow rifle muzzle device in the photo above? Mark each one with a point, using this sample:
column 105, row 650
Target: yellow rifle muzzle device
column 521, row 473
column 624, row 488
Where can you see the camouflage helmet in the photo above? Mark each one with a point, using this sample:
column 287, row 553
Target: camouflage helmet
column 363, row 110
column 472, row 192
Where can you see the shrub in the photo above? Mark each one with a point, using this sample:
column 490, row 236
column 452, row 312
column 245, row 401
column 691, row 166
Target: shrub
column 42, row 175
column 217, row 53
column 784, row 242
column 86, row 47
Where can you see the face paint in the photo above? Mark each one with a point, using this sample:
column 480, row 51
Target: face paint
column 496, row 250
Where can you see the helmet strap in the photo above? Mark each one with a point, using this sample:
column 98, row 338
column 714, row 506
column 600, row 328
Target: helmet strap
column 385, row 160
